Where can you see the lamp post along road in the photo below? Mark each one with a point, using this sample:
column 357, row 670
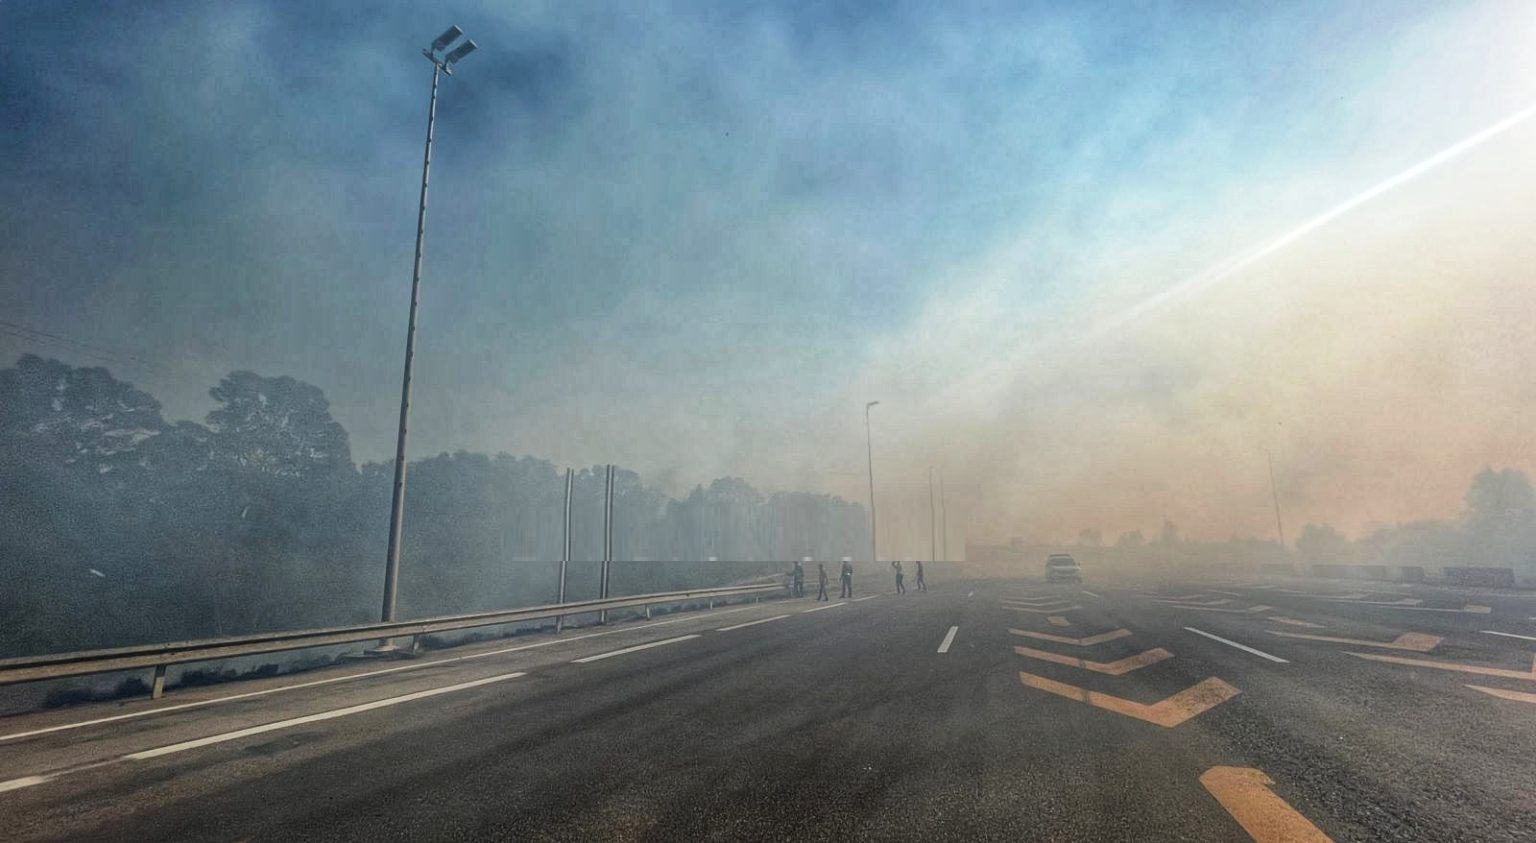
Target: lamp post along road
column 440, row 64
column 933, row 520
column 869, row 447
column 1274, row 494
column 943, row 515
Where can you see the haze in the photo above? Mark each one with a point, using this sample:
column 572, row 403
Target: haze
column 694, row 241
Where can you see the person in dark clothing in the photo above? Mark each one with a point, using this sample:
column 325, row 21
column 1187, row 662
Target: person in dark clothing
column 922, row 584
column 847, row 577
column 896, row 566
column 798, row 576
column 821, row 582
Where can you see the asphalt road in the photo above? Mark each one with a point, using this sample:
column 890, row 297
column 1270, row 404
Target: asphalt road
column 850, row 723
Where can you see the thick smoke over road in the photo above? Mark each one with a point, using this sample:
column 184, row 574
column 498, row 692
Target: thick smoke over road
column 695, row 242
column 1383, row 361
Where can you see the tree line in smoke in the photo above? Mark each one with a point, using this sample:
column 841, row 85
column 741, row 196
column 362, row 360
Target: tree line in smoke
column 118, row 526
column 1495, row 529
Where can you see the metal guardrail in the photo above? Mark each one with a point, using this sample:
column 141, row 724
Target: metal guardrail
column 160, row 656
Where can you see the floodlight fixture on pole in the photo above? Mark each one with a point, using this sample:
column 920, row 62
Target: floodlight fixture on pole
column 445, row 63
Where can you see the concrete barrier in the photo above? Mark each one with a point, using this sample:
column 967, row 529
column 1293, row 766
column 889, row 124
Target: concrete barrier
column 1496, row 577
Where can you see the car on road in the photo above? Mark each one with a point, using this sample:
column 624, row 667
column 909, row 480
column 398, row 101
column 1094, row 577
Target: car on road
column 1061, row 567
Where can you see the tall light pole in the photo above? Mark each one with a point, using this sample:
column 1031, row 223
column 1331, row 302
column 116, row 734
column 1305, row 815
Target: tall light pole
column 1275, row 495
column 440, row 64
column 944, row 514
column 933, row 520
column 869, row 447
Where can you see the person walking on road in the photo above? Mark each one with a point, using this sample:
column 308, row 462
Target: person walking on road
column 847, row 577
column 821, row 581
column 896, row 566
column 922, row 584
column 798, row 576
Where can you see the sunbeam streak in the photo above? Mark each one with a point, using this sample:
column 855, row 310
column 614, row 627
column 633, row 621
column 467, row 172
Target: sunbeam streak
column 1233, row 265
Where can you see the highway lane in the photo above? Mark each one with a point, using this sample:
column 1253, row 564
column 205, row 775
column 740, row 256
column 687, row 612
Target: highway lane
column 1383, row 751
column 773, row 723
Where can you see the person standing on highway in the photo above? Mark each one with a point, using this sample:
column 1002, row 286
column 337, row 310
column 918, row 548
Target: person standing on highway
column 799, row 579
column 847, row 577
column 821, row 581
column 922, row 584
column 896, row 566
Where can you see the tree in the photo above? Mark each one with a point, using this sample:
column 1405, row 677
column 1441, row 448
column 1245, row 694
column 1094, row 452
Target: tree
column 74, row 416
column 277, row 426
column 1090, row 538
column 1131, row 540
column 1499, row 494
column 1170, row 534
column 1321, row 544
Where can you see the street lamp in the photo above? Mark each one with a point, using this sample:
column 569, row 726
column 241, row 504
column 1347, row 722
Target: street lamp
column 933, row 520
column 1275, row 496
column 869, row 447
column 943, row 515
column 440, row 64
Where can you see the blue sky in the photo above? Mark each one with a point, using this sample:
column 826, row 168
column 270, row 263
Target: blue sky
column 691, row 238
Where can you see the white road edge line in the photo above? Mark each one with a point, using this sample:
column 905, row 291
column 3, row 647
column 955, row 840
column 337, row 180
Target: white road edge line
column 1244, row 647
column 1090, row 594
column 1509, row 635
column 311, row 718
column 949, row 639
column 751, row 623
column 24, row 781
column 412, row 666
column 819, row 608
column 635, row 649
column 862, row 599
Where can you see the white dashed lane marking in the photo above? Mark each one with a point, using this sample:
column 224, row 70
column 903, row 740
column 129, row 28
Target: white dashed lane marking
column 949, row 639
column 1244, row 647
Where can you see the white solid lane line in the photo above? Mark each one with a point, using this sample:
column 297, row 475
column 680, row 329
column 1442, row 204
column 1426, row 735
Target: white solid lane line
column 412, row 666
column 635, row 649
column 311, row 718
column 1509, row 635
column 1091, row 594
column 25, row 781
column 819, row 608
column 1244, row 647
column 949, row 639
column 862, row 599
column 751, row 623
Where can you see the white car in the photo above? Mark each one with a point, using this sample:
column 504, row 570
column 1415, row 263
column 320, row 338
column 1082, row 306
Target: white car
column 1061, row 567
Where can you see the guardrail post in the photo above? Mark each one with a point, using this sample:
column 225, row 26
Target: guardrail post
column 565, row 552
column 647, row 611
column 602, row 617
column 157, row 689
